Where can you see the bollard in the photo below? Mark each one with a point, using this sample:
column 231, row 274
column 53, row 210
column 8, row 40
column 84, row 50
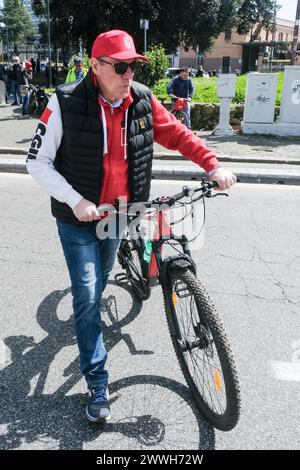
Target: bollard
column 225, row 91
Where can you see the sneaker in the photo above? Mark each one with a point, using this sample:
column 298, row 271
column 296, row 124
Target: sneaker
column 98, row 410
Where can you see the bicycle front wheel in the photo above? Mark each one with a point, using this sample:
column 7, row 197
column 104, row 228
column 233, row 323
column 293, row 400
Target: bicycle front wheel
column 202, row 350
column 180, row 116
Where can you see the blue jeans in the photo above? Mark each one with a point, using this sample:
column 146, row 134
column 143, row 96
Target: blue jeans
column 89, row 262
column 25, row 103
column 16, row 87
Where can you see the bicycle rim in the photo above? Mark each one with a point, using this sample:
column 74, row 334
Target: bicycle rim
column 203, row 351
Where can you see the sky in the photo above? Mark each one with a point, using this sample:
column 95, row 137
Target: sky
column 288, row 10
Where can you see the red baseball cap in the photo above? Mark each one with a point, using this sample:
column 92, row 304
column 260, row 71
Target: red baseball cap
column 116, row 44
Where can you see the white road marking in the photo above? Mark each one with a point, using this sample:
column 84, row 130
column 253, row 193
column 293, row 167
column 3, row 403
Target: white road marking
column 288, row 371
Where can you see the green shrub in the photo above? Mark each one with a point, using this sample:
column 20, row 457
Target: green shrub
column 151, row 72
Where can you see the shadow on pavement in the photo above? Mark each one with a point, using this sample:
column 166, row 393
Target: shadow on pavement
column 151, row 411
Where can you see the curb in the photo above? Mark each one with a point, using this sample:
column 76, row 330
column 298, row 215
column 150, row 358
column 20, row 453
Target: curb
column 13, row 151
column 246, row 175
column 232, row 158
column 11, row 165
column 171, row 157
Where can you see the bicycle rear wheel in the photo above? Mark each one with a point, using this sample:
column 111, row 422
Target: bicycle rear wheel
column 130, row 256
column 202, row 349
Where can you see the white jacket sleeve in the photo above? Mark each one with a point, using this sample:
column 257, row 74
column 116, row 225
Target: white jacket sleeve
column 42, row 154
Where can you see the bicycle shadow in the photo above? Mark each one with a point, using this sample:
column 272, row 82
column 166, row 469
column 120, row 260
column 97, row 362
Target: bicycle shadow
column 32, row 418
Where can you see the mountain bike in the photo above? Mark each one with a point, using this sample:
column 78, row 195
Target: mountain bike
column 197, row 334
column 178, row 110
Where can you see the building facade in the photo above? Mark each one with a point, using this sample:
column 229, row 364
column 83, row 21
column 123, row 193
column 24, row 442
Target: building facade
column 236, row 52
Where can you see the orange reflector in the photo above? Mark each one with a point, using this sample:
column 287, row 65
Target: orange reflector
column 174, row 298
column 218, row 381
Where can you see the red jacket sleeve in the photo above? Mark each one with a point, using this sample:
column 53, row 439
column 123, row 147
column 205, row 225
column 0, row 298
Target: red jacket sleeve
column 170, row 133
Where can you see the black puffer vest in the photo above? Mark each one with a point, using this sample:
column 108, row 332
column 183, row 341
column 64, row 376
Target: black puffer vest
column 80, row 156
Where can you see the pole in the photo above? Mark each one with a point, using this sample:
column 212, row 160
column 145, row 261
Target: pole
column 272, row 52
column 296, row 33
column 49, row 44
column 250, row 52
column 145, row 38
column 7, row 40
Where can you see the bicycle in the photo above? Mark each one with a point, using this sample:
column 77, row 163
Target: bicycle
column 197, row 334
column 178, row 110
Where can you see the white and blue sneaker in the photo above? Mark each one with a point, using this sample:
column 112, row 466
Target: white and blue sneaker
column 98, row 410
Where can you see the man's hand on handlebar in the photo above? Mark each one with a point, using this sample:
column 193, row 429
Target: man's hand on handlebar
column 86, row 211
column 223, row 177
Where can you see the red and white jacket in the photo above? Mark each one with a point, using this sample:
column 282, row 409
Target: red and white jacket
column 168, row 132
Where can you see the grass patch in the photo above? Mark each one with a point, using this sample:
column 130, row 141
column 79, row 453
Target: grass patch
column 206, row 90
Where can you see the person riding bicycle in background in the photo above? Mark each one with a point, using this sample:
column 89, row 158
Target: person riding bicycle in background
column 182, row 87
column 94, row 143
column 77, row 72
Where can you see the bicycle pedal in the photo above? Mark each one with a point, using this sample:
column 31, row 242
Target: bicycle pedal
column 121, row 278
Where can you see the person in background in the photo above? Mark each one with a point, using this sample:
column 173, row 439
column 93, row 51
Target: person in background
column 3, row 80
column 26, row 71
column 201, row 73
column 33, row 63
column 38, row 65
column 17, row 82
column 77, row 72
column 182, row 87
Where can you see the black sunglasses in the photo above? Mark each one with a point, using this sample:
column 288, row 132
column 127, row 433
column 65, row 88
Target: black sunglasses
column 121, row 67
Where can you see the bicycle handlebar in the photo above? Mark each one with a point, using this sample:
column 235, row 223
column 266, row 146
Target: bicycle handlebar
column 205, row 190
column 170, row 201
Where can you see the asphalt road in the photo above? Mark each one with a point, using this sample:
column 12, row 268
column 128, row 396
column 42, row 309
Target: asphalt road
column 250, row 266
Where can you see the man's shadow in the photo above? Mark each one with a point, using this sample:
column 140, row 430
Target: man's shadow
column 28, row 414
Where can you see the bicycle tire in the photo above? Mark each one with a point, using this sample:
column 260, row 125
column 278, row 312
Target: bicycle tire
column 180, row 116
column 209, row 333
column 134, row 267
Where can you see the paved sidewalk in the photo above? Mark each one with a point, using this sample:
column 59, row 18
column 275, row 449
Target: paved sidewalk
column 16, row 133
column 253, row 158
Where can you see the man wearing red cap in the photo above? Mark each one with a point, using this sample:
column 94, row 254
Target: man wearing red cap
column 94, row 143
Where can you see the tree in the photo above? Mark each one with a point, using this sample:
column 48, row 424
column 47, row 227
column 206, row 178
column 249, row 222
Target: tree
column 18, row 24
column 255, row 15
column 192, row 23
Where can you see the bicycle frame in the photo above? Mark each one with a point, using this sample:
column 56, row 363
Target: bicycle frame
column 158, row 267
